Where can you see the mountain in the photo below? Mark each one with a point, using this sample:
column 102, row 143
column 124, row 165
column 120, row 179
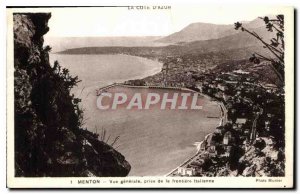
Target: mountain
column 242, row 42
column 239, row 40
column 191, row 33
column 207, row 31
column 199, row 31
column 232, row 45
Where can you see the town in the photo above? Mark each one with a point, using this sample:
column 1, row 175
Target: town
column 250, row 138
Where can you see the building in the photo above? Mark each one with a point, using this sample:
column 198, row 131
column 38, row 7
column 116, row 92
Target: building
column 240, row 121
column 222, row 87
column 183, row 171
column 267, row 125
column 246, row 144
column 241, row 72
column 227, row 138
column 231, row 82
column 247, row 131
column 227, row 151
column 203, row 146
column 211, row 143
column 225, row 97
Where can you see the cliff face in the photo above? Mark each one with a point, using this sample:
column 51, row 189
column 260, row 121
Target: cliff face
column 48, row 137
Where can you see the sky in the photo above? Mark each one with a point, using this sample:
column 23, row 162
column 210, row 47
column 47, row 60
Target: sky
column 122, row 21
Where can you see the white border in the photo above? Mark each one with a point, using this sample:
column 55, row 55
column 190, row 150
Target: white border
column 289, row 60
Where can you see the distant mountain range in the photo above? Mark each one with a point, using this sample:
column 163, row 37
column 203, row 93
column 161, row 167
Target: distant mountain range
column 196, row 38
column 238, row 40
column 207, row 31
column 199, row 31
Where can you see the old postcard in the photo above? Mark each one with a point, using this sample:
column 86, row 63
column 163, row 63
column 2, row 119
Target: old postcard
column 154, row 96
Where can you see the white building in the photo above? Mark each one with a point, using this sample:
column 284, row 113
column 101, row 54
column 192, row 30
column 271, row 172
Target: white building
column 186, row 171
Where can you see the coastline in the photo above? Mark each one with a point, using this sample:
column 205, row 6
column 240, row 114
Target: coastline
column 151, row 72
column 157, row 68
column 223, row 116
column 223, row 120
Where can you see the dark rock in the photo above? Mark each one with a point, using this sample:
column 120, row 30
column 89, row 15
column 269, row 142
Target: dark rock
column 49, row 140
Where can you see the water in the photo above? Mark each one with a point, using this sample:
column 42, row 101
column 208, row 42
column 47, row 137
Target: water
column 102, row 70
column 154, row 142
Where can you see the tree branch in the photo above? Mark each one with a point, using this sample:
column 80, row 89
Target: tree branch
column 266, row 44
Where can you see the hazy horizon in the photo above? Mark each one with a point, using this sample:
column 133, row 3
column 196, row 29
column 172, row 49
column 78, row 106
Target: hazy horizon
column 122, row 22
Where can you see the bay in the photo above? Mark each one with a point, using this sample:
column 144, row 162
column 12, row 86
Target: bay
column 154, row 141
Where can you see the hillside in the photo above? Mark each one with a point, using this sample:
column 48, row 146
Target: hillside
column 196, row 39
column 206, row 31
column 199, row 31
column 49, row 140
column 239, row 40
column 231, row 45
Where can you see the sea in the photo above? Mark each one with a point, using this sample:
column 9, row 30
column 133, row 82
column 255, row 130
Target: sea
column 155, row 141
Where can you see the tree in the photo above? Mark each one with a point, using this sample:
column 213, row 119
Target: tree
column 276, row 45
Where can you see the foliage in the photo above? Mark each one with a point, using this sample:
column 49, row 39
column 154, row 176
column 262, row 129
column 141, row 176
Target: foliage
column 276, row 45
column 49, row 140
column 65, row 82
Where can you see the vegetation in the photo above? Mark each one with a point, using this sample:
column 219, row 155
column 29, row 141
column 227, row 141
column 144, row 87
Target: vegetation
column 102, row 137
column 49, row 138
column 276, row 45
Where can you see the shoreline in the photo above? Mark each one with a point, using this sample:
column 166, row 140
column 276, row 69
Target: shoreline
column 222, row 118
column 155, row 70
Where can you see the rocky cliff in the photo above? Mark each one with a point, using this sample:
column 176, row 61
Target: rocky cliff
column 49, row 140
